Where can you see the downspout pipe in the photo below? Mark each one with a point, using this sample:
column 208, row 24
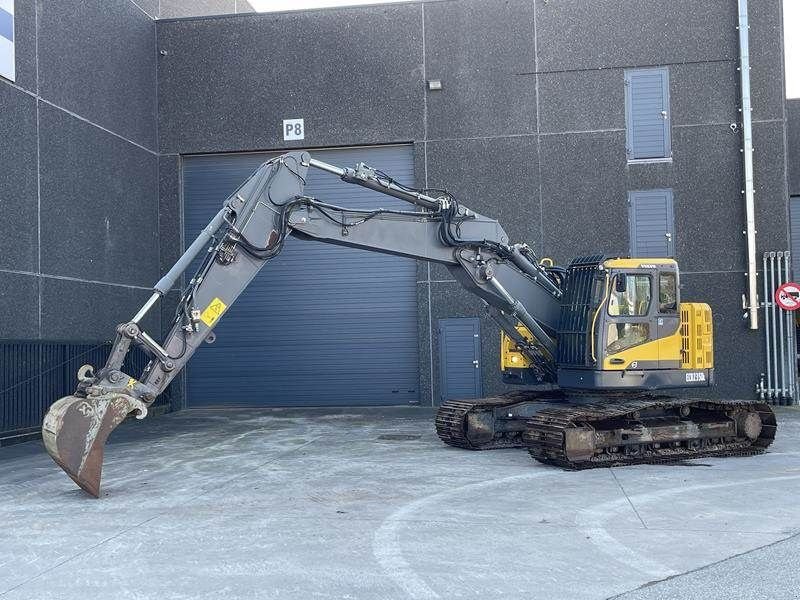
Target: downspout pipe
column 747, row 151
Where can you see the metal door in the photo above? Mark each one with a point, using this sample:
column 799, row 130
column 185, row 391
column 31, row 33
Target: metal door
column 652, row 223
column 321, row 325
column 647, row 118
column 460, row 358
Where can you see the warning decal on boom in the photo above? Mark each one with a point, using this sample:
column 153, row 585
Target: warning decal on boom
column 213, row 312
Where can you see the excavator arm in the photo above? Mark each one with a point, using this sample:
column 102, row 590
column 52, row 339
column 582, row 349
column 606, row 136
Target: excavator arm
column 246, row 233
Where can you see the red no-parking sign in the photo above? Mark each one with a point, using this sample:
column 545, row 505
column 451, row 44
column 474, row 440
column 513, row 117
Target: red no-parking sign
column 788, row 296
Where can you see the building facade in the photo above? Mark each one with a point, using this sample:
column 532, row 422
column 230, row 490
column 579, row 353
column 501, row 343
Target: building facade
column 117, row 123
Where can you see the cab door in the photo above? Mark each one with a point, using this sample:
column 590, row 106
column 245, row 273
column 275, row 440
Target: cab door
column 668, row 319
column 631, row 328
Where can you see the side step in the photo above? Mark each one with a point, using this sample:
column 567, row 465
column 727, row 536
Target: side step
column 653, row 430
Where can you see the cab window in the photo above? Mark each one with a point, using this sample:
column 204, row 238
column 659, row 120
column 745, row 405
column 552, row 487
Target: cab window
column 667, row 293
column 598, row 288
column 630, row 295
column 621, row 336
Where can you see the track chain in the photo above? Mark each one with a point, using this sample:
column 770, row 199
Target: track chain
column 545, row 432
column 451, row 420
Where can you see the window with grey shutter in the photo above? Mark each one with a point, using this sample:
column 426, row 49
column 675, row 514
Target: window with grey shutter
column 647, row 117
column 651, row 223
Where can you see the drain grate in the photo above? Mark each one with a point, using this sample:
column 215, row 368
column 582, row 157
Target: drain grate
column 399, row 437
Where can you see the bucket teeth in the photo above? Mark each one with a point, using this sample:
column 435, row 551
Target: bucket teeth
column 75, row 430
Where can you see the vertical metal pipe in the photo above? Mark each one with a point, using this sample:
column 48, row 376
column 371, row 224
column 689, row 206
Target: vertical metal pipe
column 747, row 139
column 772, row 315
column 781, row 338
column 767, row 339
column 791, row 344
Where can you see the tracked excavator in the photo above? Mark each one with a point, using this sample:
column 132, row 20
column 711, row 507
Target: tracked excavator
column 593, row 345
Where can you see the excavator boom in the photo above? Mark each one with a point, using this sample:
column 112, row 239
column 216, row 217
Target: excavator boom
column 249, row 230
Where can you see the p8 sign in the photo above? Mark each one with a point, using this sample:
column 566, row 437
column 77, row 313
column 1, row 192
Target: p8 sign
column 293, row 129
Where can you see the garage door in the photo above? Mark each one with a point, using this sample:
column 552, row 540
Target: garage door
column 321, row 325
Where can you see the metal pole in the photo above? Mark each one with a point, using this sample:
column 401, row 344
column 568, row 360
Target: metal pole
column 772, row 316
column 766, row 330
column 781, row 337
column 747, row 138
column 791, row 345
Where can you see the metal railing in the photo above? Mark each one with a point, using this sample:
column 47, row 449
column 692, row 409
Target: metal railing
column 778, row 383
column 35, row 373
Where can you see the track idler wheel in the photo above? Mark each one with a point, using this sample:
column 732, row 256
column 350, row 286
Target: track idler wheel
column 749, row 423
column 75, row 429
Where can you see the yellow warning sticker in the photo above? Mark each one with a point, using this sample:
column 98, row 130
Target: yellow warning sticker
column 213, row 312
column 131, row 383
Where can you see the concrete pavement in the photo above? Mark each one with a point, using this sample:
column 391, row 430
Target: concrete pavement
column 367, row 503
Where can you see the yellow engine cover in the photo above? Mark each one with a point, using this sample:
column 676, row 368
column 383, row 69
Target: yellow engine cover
column 697, row 336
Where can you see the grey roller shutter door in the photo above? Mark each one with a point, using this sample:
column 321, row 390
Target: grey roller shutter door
column 647, row 117
column 651, row 223
column 321, row 325
column 794, row 215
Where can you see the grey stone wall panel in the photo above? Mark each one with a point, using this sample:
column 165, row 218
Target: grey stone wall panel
column 354, row 75
column 772, row 211
column 19, row 297
column 169, row 211
column 18, row 189
column 97, row 59
column 574, row 34
column 793, row 140
column 83, row 311
column 766, row 55
column 424, row 334
column 709, row 209
column 581, row 100
column 704, row 93
column 25, row 44
column 99, row 203
column 584, row 195
column 481, row 52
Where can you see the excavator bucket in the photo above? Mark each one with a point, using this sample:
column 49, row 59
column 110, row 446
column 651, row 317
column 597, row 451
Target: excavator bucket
column 75, row 430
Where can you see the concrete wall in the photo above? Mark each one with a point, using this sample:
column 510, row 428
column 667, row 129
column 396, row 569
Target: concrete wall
column 793, row 143
column 529, row 126
column 79, row 187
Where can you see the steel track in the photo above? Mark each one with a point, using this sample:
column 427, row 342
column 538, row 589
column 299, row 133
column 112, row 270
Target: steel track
column 545, row 431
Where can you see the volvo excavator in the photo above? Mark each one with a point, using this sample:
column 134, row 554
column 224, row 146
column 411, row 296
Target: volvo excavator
column 593, row 345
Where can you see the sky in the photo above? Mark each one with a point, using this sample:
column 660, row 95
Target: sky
column 791, row 22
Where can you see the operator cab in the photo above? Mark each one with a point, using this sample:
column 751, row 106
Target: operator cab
column 623, row 327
